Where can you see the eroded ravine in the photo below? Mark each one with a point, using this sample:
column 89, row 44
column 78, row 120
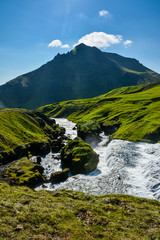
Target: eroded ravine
column 124, row 167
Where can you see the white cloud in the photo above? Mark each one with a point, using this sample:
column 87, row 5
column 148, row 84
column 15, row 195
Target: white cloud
column 55, row 43
column 104, row 13
column 100, row 39
column 58, row 43
column 127, row 43
column 65, row 46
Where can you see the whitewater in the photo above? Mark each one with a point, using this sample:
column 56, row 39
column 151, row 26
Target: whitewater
column 124, row 167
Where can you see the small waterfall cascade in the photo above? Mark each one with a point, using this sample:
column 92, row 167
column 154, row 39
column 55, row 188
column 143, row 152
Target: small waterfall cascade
column 124, row 167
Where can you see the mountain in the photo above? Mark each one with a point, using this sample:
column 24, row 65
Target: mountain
column 130, row 113
column 83, row 72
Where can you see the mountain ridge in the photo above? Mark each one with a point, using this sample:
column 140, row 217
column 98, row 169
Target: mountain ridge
column 81, row 73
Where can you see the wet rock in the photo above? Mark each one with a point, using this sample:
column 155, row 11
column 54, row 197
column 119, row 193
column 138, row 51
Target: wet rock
column 39, row 148
column 109, row 129
column 59, row 176
column 39, row 159
column 88, row 129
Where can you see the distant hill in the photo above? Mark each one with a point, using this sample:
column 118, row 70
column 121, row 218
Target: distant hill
column 83, row 72
column 130, row 113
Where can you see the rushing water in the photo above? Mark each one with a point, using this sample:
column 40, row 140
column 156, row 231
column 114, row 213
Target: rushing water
column 124, row 167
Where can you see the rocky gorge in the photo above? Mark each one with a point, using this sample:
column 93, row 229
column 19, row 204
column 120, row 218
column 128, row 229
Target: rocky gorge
column 124, row 167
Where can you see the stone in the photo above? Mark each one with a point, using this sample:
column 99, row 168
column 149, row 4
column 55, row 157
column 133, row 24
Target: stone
column 59, row 176
column 39, row 159
column 79, row 157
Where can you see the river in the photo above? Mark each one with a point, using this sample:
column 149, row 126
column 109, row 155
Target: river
column 124, row 167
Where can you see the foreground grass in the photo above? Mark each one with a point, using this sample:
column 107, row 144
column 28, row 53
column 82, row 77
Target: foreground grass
column 135, row 109
column 26, row 214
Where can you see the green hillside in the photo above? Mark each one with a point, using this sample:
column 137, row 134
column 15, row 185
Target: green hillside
column 26, row 214
column 133, row 112
column 22, row 131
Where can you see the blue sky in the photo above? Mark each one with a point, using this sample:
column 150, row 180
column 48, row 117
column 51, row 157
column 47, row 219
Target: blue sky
column 29, row 28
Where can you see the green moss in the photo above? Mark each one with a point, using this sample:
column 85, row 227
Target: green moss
column 136, row 110
column 59, row 176
column 77, row 154
column 74, row 215
column 24, row 172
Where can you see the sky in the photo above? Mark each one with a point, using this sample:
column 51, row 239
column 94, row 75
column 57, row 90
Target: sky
column 33, row 32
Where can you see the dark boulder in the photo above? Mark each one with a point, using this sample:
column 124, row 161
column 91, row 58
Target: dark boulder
column 39, row 159
column 39, row 148
column 59, row 176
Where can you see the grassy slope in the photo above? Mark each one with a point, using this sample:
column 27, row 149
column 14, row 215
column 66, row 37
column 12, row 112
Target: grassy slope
column 136, row 109
column 26, row 214
column 20, row 127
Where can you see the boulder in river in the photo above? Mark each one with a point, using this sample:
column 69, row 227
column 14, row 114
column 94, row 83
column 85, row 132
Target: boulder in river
column 79, row 157
column 59, row 176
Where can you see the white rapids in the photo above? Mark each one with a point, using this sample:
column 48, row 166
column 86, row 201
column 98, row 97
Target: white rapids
column 124, row 167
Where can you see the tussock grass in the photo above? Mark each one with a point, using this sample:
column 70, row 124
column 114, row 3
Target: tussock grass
column 26, row 214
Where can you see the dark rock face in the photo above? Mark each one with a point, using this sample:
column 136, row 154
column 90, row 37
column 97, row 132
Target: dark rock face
column 88, row 129
column 79, row 157
column 154, row 137
column 110, row 129
column 39, row 159
column 57, row 144
column 84, row 73
column 59, row 176
column 39, row 148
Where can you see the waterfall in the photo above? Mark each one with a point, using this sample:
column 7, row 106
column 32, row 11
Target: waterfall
column 124, row 167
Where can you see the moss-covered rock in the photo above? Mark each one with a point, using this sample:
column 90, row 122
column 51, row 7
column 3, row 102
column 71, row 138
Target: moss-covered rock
column 59, row 176
column 79, row 157
column 24, row 172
